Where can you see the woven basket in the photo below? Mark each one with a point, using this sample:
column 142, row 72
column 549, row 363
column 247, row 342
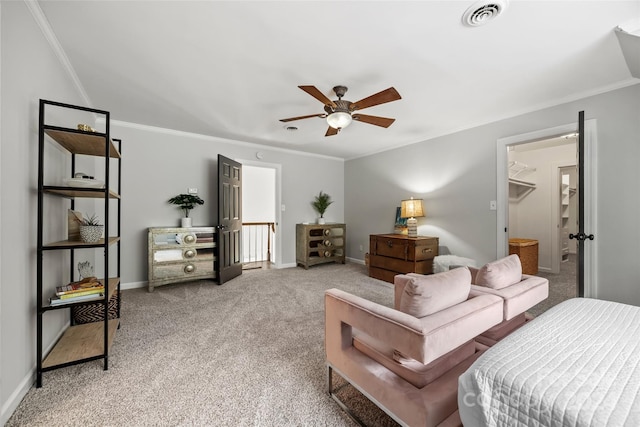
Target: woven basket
column 94, row 312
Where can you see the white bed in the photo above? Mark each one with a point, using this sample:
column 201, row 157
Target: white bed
column 578, row 364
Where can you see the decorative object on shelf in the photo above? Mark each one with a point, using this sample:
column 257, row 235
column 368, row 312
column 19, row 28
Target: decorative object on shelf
column 85, row 269
column 410, row 209
column 90, row 229
column 401, row 223
column 85, row 128
column 320, row 205
column 186, row 202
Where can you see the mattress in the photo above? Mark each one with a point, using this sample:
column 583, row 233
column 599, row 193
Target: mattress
column 578, row 364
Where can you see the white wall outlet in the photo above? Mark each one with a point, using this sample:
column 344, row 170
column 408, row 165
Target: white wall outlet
column 192, row 190
column 283, row 208
column 493, row 205
column 361, row 248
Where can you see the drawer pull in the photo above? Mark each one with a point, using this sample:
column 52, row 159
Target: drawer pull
column 327, row 232
column 426, row 251
column 190, row 253
column 327, row 242
column 189, row 238
column 189, row 268
column 390, row 243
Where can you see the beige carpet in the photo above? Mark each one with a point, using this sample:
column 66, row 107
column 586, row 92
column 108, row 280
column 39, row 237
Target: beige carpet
column 247, row 353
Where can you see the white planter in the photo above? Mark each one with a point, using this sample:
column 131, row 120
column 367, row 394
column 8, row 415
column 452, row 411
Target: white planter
column 320, row 221
column 186, row 222
column 91, row 233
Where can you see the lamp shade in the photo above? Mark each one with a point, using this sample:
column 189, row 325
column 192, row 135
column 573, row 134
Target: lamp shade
column 339, row 120
column 411, row 208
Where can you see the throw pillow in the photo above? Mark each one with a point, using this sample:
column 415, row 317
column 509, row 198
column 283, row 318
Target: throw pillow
column 500, row 273
column 426, row 295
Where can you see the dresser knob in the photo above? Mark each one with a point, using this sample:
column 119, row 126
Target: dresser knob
column 190, row 253
column 189, row 238
column 389, row 243
column 327, row 242
column 189, row 268
column 327, row 232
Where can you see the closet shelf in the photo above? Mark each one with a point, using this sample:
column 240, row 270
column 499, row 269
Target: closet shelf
column 519, row 188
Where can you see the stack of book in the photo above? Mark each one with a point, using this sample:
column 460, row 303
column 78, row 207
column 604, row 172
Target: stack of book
column 84, row 290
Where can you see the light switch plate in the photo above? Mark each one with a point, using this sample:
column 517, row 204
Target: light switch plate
column 192, row 190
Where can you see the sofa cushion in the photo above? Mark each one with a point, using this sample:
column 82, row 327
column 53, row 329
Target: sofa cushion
column 425, row 295
column 500, row 273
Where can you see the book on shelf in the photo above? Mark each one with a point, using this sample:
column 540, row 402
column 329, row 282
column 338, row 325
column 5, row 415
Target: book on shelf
column 84, row 285
column 99, row 290
column 56, row 300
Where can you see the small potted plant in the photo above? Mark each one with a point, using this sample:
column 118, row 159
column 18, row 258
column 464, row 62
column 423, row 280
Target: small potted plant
column 90, row 229
column 320, row 205
column 186, row 202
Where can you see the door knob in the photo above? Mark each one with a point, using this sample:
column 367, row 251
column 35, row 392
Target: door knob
column 581, row 236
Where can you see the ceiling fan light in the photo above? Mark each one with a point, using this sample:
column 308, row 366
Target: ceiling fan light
column 339, row 120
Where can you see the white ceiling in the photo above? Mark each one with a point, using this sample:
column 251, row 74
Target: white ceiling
column 230, row 69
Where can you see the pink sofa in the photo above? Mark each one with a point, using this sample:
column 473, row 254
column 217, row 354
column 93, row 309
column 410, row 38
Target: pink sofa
column 409, row 365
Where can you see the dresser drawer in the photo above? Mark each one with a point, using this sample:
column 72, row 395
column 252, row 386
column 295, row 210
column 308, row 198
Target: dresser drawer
column 399, row 266
column 403, row 248
column 183, row 269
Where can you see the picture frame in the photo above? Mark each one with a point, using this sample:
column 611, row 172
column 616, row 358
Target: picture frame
column 400, row 226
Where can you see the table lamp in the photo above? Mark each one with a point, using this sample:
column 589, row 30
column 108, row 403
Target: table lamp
column 411, row 209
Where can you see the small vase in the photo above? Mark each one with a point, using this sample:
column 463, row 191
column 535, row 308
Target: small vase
column 186, row 222
column 91, row 233
column 320, row 220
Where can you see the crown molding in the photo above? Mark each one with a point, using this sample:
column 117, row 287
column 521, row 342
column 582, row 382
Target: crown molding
column 49, row 35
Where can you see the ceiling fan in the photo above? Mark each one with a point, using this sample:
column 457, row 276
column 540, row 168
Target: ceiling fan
column 340, row 113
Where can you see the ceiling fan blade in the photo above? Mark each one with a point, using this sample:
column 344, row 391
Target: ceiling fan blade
column 386, row 95
column 322, row 115
column 313, row 91
column 384, row 122
column 331, row 131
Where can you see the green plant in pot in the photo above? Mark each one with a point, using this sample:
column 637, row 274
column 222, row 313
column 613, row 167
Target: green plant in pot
column 90, row 229
column 320, row 204
column 186, row 202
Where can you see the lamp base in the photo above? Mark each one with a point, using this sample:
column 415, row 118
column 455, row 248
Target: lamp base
column 412, row 227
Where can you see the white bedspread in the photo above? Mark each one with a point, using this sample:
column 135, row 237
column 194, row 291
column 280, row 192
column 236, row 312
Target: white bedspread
column 578, row 364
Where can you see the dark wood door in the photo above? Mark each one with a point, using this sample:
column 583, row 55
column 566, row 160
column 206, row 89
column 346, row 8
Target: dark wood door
column 581, row 237
column 229, row 229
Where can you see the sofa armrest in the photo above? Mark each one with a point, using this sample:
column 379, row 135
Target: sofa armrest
column 423, row 339
column 518, row 297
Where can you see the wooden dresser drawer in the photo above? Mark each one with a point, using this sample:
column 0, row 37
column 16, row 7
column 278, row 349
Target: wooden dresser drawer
column 182, row 270
column 391, row 254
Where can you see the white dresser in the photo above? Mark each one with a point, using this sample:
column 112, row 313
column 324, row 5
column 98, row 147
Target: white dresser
column 180, row 255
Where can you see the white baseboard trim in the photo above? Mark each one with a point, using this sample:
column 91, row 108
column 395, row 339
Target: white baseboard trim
column 16, row 397
column 355, row 260
column 133, row 285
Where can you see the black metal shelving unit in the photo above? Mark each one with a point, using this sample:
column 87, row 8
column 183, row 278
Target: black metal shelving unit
column 88, row 341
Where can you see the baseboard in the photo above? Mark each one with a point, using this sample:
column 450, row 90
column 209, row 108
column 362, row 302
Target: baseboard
column 356, row 260
column 133, row 285
column 16, row 397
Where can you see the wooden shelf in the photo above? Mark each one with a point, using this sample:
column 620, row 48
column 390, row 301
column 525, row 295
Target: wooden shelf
column 76, row 244
column 112, row 288
column 80, row 342
column 80, row 142
column 78, row 192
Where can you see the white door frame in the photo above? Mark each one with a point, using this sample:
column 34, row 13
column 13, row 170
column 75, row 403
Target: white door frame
column 590, row 191
column 278, row 204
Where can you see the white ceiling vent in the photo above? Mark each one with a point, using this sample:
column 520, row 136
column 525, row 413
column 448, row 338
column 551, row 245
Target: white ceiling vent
column 483, row 11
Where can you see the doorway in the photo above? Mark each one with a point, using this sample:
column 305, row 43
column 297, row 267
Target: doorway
column 542, row 213
column 261, row 215
column 550, row 208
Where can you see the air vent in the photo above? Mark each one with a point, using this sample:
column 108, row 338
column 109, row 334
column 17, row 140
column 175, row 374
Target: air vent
column 482, row 12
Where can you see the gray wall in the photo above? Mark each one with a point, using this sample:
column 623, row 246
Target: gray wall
column 30, row 71
column 158, row 164
column 456, row 176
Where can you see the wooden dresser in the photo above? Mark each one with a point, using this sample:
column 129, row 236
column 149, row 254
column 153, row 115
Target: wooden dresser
column 180, row 255
column 391, row 254
column 320, row 243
